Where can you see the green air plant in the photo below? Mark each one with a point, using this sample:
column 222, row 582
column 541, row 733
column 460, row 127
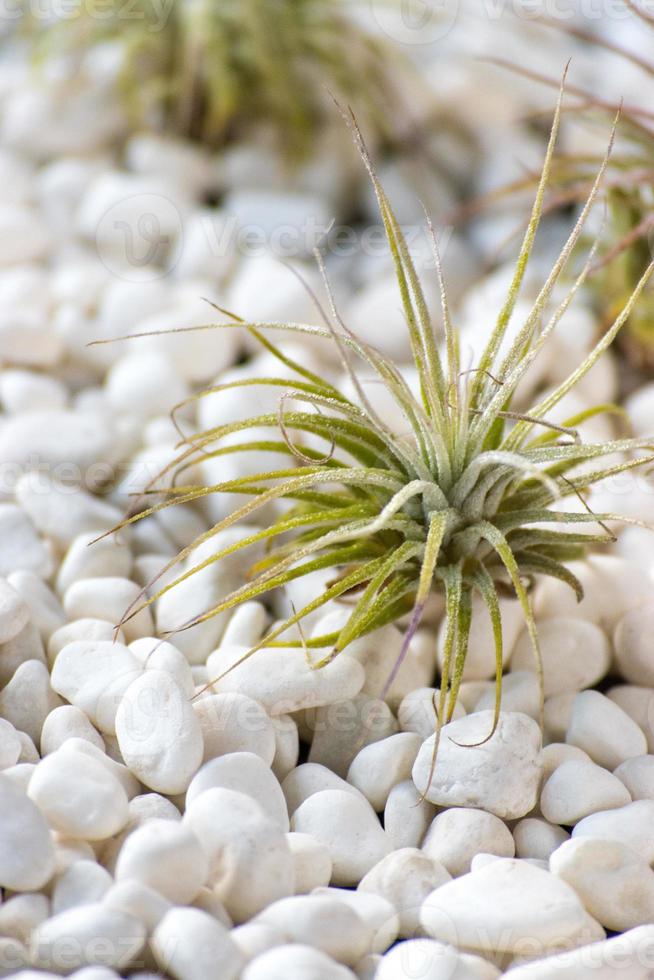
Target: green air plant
column 461, row 504
column 212, row 69
column 627, row 247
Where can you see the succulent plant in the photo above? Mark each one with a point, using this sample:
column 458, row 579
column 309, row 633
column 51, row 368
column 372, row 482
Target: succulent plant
column 210, row 71
column 471, row 500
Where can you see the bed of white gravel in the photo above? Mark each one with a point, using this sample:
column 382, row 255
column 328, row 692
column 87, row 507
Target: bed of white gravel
column 273, row 827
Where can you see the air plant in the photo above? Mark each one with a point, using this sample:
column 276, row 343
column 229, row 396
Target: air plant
column 461, row 504
column 627, row 247
column 212, row 70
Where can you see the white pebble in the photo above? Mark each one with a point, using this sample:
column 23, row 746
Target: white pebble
column 282, row 682
column 536, row 838
column 556, row 716
column 321, row 921
column 70, row 940
column 167, row 857
column 556, row 753
column 246, row 773
column 416, row 712
column 612, row 959
column 145, row 383
column 109, row 598
column 378, row 767
column 66, row 722
column 26, row 646
column 87, row 558
column 312, row 862
column 188, row 944
column 28, row 698
column 14, row 613
column 504, row 905
column 421, row 959
column 157, row 654
column 78, row 795
column 600, row 871
column 235, row 723
column 295, row 962
column 46, row 612
column 343, row 729
column 459, row 833
column 631, row 644
column 10, row 746
column 27, row 860
column 576, row 654
column 406, row 815
column 520, row 692
column 94, row 676
column 118, row 769
column 375, row 911
column 21, row 914
column 604, row 730
column 405, row 878
column 20, row 546
column 310, row 778
column 287, row 746
column 158, row 733
column 577, row 788
column 62, row 511
column 89, row 630
column 637, row 775
column 79, row 884
column 251, row 864
column 136, row 899
column 24, row 391
column 480, row 659
column 349, row 828
column 255, row 938
column 630, row 825
column 500, row 775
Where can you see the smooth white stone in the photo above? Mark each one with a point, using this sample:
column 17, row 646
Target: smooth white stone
column 406, row 815
column 520, row 692
column 604, row 730
column 505, row 904
column 556, row 716
column 480, row 659
column 282, row 682
column 621, row 956
column 189, row 944
column 158, row 733
column 630, row 825
column 60, row 511
column 500, row 775
column 10, row 745
column 94, row 676
column 251, row 864
column 536, row 838
column 638, row 703
column 576, row 654
column 110, row 598
column 25, row 236
column 14, row 612
column 245, row 773
column 295, row 962
column 78, row 795
column 379, row 767
column 287, row 746
column 45, row 609
column 321, row 921
column 457, row 834
column 405, row 878
column 68, row 852
column 20, row 546
column 27, row 859
column 21, row 914
column 24, row 647
column 24, row 391
column 423, row 959
column 235, row 723
column 28, row 698
column 88, row 558
column 146, row 382
column 615, row 883
column 117, row 769
column 71, row 939
column 416, row 712
column 349, row 828
column 556, row 753
column 157, row 654
column 312, row 862
column 89, row 630
column 134, row 898
column 69, row 444
column 310, row 778
column 637, row 775
column 167, row 857
column 577, row 788
column 28, row 751
column 631, row 645
column 376, row 912
column 255, row 938
column 80, row 883
column 143, row 807
column 344, row 728
column 612, row 586
column 207, row 901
